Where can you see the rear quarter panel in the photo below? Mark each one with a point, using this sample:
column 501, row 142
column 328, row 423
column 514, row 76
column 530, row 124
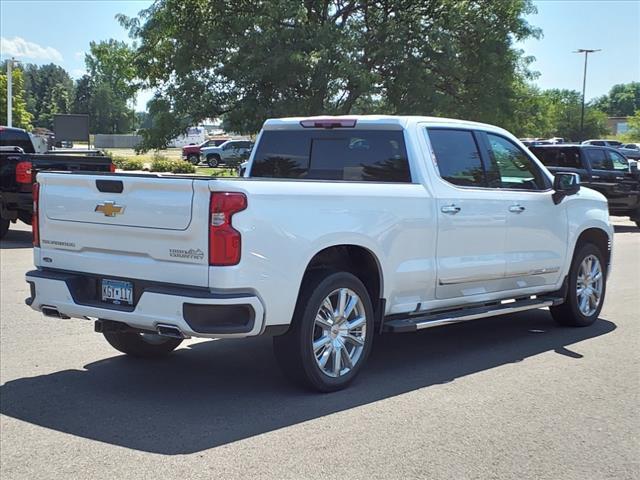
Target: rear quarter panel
column 286, row 223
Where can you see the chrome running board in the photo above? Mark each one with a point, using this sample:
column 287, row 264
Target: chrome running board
column 421, row 321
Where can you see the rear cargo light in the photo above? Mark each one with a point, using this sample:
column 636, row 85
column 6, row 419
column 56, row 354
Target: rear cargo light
column 35, row 225
column 329, row 123
column 224, row 240
column 112, row 167
column 24, row 172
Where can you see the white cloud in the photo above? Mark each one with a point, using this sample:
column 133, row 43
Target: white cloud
column 21, row 48
column 80, row 55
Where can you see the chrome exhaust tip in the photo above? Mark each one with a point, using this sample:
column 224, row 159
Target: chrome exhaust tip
column 48, row 311
column 169, row 331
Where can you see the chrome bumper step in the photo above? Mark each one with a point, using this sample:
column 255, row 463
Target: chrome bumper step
column 420, row 321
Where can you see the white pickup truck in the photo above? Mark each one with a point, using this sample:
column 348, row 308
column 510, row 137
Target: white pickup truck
column 341, row 228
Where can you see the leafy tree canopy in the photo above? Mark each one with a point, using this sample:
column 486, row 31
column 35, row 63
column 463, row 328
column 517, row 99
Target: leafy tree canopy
column 21, row 117
column 622, row 101
column 249, row 60
column 49, row 90
column 108, row 89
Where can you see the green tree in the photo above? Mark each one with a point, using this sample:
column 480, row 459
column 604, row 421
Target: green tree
column 249, row 60
column 21, row 117
column 107, row 91
column 49, row 90
column 621, row 101
column 564, row 111
column 633, row 134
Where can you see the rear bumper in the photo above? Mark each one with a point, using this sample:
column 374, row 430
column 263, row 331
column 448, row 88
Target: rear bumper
column 195, row 312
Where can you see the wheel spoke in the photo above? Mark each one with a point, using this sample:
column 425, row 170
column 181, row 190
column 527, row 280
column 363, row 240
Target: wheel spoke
column 323, row 322
column 351, row 305
column 326, row 355
column 321, row 342
column 357, row 341
column 584, row 300
column 356, row 322
column 327, row 306
column 342, row 302
column 346, row 358
column 337, row 361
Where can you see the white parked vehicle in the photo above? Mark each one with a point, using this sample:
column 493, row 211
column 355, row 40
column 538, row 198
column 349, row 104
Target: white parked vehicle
column 341, row 228
column 231, row 152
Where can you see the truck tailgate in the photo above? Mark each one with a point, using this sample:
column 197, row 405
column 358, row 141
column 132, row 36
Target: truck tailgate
column 129, row 226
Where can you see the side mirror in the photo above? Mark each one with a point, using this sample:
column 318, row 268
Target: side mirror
column 565, row 184
column 633, row 166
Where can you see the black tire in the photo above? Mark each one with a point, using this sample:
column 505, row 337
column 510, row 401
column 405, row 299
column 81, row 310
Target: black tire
column 194, row 159
column 568, row 313
column 4, row 227
column 294, row 350
column 213, row 160
column 138, row 345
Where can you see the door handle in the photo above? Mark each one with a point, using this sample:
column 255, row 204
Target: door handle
column 516, row 208
column 450, row 209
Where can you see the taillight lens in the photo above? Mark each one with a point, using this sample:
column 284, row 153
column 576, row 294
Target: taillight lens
column 24, row 172
column 224, row 240
column 35, row 225
column 112, row 167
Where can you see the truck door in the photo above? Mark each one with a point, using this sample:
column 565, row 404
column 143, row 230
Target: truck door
column 536, row 244
column 472, row 219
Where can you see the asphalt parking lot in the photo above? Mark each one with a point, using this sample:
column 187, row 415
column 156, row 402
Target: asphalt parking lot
column 507, row 397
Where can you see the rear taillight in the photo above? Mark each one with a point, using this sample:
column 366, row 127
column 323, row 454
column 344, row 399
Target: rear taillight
column 35, row 225
column 112, row 167
column 23, row 172
column 224, row 240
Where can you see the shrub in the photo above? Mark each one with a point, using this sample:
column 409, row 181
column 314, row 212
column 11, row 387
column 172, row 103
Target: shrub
column 160, row 165
column 129, row 164
column 181, row 166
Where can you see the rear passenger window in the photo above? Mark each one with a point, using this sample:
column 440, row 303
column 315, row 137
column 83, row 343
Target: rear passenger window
column 356, row 155
column 457, row 157
column 598, row 159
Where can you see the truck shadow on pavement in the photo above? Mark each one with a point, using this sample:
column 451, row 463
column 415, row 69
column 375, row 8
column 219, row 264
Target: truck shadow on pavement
column 16, row 239
column 218, row 392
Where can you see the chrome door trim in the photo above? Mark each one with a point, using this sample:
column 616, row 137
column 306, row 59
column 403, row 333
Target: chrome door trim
column 539, row 271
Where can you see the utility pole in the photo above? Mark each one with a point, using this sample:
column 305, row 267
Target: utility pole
column 9, row 92
column 586, row 52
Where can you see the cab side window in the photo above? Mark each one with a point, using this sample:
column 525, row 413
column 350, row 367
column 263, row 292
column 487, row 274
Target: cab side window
column 457, row 157
column 514, row 167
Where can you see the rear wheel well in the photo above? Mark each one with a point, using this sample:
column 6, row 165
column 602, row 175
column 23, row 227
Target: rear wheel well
column 597, row 237
column 354, row 259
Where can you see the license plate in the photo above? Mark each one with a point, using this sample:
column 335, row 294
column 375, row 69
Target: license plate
column 117, row 292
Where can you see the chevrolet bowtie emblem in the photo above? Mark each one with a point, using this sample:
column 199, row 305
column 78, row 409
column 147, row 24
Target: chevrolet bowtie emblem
column 109, row 208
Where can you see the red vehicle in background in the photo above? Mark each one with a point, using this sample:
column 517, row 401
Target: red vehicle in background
column 191, row 152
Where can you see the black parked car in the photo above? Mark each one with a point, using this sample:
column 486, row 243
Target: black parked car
column 19, row 165
column 601, row 168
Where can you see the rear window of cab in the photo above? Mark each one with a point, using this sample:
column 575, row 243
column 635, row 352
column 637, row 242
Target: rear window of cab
column 354, row 155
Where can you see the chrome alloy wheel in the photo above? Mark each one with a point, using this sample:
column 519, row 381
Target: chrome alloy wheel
column 339, row 332
column 589, row 285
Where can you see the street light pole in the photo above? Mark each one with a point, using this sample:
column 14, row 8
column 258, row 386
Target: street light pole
column 586, row 52
column 9, row 92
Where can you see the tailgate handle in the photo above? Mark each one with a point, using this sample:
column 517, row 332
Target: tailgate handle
column 110, row 186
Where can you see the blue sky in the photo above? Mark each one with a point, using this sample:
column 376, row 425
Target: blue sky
column 60, row 32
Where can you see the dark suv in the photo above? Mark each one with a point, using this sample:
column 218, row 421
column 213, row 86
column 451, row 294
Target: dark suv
column 601, row 168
